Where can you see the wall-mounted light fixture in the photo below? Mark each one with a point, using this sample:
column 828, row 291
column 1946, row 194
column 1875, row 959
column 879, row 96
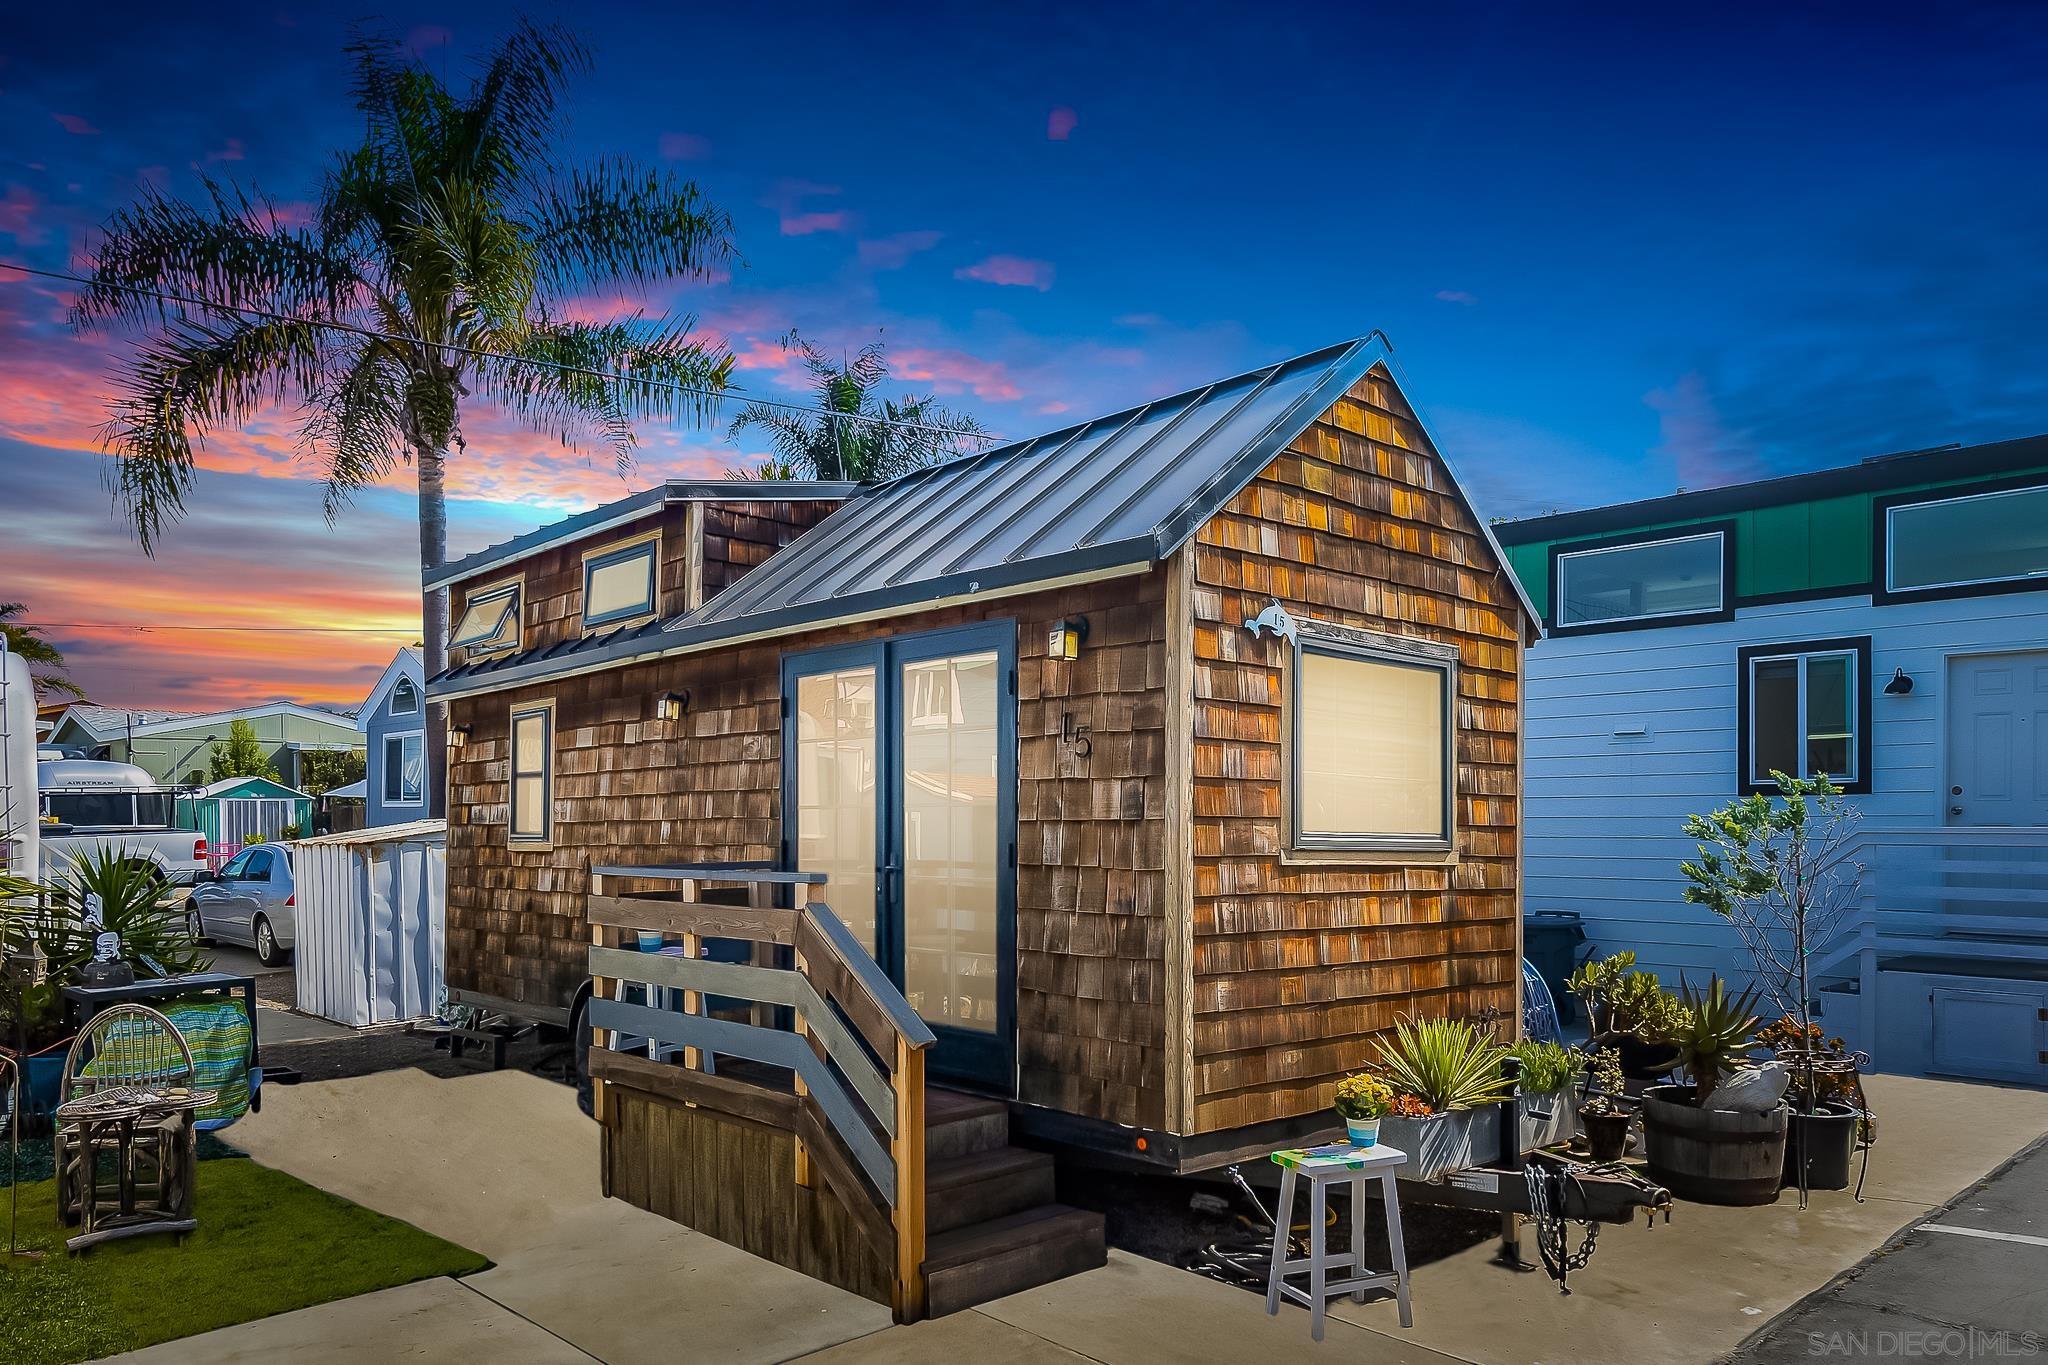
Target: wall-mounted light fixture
column 1064, row 640
column 1901, row 684
column 458, row 735
column 673, row 705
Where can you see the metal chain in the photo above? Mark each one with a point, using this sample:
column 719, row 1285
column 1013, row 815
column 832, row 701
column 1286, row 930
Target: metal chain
column 1546, row 1206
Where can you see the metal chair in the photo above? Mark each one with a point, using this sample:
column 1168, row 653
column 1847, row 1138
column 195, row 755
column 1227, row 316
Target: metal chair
column 127, row 1080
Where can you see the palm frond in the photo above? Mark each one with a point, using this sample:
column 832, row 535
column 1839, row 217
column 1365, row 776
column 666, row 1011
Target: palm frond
column 513, row 115
column 355, row 426
column 613, row 221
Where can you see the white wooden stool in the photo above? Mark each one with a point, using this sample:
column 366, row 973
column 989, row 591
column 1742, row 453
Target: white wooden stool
column 1326, row 1166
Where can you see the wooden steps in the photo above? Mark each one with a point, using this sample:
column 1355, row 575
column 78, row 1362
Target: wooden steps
column 992, row 1226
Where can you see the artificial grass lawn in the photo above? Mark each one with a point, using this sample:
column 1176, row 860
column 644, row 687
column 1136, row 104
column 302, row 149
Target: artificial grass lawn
column 266, row 1244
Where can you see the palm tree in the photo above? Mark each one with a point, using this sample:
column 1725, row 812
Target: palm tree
column 45, row 661
column 854, row 435
column 434, row 269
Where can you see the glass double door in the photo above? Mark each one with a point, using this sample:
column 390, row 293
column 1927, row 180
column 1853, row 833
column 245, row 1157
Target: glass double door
column 900, row 785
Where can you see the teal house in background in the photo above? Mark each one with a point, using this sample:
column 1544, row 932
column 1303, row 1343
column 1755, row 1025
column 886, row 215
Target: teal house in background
column 239, row 810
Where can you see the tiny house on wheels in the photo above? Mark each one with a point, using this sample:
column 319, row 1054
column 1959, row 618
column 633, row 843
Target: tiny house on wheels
column 1114, row 788
column 1885, row 623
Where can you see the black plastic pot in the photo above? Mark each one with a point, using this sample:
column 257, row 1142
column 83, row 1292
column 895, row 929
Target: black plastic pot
column 1606, row 1134
column 1825, row 1141
column 1641, row 1061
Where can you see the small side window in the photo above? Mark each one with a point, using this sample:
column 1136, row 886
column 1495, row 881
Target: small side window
column 404, row 772
column 489, row 621
column 405, row 698
column 530, row 816
column 618, row 585
column 1805, row 712
column 1372, row 748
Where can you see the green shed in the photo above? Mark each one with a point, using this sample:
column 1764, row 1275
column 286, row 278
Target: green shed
column 239, row 810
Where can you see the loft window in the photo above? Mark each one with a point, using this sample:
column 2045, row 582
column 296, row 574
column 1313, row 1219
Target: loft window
column 1805, row 711
column 1372, row 746
column 618, row 585
column 405, row 698
column 490, row 621
column 1662, row 580
column 531, row 802
column 1988, row 541
column 404, row 769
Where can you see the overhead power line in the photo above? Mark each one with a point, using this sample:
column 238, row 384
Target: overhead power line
column 563, row 367
column 282, row 630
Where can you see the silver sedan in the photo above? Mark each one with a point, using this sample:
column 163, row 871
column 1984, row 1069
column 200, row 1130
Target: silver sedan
column 250, row 901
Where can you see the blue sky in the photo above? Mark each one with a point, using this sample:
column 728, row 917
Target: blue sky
column 1617, row 251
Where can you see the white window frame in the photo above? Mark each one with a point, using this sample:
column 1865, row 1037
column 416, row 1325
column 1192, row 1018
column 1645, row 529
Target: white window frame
column 1858, row 688
column 384, row 776
column 412, row 690
column 1891, row 535
column 493, row 644
column 1327, row 638
column 1720, row 539
column 513, row 772
column 649, row 546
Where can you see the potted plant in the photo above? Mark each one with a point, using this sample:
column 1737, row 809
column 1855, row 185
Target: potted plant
column 1827, row 1111
column 1778, row 869
column 1362, row 1101
column 1603, row 1113
column 1546, row 1109
column 1627, row 1010
column 1452, row 1068
column 1695, row 1149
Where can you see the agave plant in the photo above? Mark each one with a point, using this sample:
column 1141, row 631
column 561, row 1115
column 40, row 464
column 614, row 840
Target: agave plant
column 156, row 939
column 1712, row 1031
column 1446, row 1063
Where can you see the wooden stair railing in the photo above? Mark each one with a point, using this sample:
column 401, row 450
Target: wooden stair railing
column 853, row 1045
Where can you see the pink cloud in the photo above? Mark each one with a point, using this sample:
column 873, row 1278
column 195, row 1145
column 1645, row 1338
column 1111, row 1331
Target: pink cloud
column 804, row 224
column 1693, row 437
column 894, row 251
column 1021, row 271
column 951, row 371
column 1457, row 296
column 1059, row 124
column 684, row 147
column 73, row 124
column 18, row 215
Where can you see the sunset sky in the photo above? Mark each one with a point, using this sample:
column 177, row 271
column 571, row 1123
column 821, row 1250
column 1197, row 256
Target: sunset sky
column 1616, row 252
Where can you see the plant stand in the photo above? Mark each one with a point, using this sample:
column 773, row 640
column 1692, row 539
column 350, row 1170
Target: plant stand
column 1325, row 1166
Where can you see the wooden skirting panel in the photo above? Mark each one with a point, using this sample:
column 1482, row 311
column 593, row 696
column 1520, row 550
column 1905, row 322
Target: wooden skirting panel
column 734, row 1179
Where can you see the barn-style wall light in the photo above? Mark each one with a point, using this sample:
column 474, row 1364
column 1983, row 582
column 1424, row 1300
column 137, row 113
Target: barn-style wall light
column 1064, row 640
column 673, row 705
column 458, row 735
column 1901, row 684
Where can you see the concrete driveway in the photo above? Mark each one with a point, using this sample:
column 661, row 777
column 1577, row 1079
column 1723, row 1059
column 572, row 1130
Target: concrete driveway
column 503, row 1163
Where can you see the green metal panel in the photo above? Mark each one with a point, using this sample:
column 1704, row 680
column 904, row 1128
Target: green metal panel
column 1838, row 548
column 1770, row 550
column 1531, row 564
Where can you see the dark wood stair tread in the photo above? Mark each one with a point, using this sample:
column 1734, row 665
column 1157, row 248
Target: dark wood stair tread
column 942, row 1107
column 979, row 1241
column 947, row 1173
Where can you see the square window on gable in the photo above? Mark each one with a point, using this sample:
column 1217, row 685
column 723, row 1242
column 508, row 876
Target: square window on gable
column 618, row 585
column 1665, row 580
column 1804, row 711
column 1372, row 744
column 489, row 621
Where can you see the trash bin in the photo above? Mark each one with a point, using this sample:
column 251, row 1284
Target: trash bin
column 1551, row 939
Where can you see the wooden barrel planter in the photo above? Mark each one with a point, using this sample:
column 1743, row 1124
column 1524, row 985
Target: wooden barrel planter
column 1712, row 1156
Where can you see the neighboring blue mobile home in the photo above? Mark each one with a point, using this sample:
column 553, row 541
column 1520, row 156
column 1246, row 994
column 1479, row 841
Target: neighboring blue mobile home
column 1886, row 623
column 400, row 777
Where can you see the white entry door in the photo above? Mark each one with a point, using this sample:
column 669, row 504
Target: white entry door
column 1998, row 740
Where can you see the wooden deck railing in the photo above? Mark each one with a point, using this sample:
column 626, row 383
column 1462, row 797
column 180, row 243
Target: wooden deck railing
column 818, row 1008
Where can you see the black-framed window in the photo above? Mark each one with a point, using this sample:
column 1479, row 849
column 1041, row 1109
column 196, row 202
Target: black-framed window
column 489, row 620
column 1804, row 709
column 530, row 802
column 1962, row 542
column 405, row 698
column 619, row 584
column 1373, row 737
column 1653, row 578
column 404, row 768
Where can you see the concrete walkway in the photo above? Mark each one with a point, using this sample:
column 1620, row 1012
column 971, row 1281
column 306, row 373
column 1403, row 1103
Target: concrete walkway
column 503, row 1163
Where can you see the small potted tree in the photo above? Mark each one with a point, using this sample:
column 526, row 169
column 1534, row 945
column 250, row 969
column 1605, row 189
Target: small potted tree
column 1362, row 1101
column 1778, row 869
column 1604, row 1114
column 1627, row 1010
column 1453, row 1069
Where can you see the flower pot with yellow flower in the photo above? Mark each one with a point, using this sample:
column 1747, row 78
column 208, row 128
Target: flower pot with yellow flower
column 1362, row 1101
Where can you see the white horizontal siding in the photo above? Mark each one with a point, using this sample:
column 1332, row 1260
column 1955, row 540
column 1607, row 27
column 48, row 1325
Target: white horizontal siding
column 1603, row 811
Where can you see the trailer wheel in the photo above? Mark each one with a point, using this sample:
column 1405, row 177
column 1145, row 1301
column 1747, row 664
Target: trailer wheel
column 579, row 1042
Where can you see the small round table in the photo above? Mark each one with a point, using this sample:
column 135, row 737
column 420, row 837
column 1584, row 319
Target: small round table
column 1339, row 1162
column 112, row 1118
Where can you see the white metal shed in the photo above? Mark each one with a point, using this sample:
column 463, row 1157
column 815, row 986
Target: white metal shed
column 371, row 917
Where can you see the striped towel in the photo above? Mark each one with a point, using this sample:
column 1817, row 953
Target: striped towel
column 217, row 1031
